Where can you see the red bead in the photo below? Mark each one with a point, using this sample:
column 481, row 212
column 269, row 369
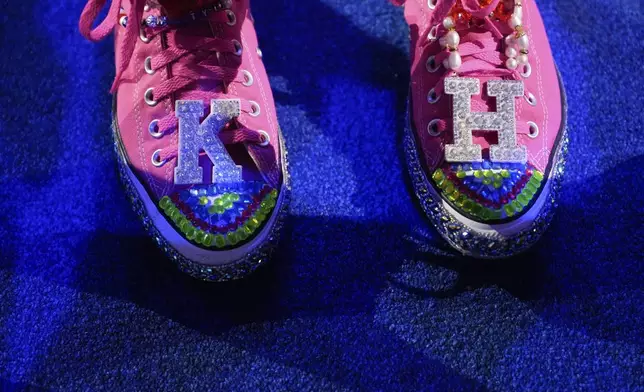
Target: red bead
column 502, row 13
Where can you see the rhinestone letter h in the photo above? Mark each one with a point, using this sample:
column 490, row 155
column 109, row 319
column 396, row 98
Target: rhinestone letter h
column 465, row 121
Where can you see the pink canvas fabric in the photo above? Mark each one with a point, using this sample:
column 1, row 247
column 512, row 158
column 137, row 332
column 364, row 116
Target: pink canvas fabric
column 543, row 83
column 482, row 51
column 204, row 51
column 186, row 53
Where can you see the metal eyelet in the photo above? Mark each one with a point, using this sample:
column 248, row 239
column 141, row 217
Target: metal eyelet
column 156, row 159
column 431, row 4
column 147, row 64
column 259, row 52
column 432, row 128
column 431, row 64
column 123, row 21
column 433, row 33
column 255, row 109
column 149, row 97
column 432, row 97
column 266, row 137
column 142, row 35
column 530, row 98
column 232, row 19
column 248, row 78
column 534, row 130
column 527, row 70
column 153, row 128
column 238, row 48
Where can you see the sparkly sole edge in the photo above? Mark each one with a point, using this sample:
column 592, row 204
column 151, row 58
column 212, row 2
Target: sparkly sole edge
column 231, row 271
column 465, row 239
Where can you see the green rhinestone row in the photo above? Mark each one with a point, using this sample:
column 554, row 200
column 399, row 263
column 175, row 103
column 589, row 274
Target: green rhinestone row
column 221, row 204
column 523, row 199
column 219, row 241
column 489, row 177
column 485, row 213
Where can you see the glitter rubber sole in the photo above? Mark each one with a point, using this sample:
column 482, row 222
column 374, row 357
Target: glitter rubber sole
column 257, row 252
column 482, row 240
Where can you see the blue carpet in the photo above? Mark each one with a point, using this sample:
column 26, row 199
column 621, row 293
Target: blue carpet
column 363, row 295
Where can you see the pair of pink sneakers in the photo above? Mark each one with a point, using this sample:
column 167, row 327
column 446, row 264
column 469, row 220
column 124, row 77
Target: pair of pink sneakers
column 203, row 159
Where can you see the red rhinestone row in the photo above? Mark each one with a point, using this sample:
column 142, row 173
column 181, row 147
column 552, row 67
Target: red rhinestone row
column 516, row 190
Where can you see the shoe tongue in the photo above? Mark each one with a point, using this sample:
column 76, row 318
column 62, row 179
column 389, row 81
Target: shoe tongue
column 201, row 27
column 182, row 8
column 197, row 14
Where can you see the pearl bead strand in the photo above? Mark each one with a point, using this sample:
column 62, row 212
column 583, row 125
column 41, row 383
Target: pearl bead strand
column 517, row 40
column 451, row 41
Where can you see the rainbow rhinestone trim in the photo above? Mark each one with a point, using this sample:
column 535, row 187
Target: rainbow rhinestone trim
column 220, row 216
column 245, row 265
column 489, row 191
column 490, row 244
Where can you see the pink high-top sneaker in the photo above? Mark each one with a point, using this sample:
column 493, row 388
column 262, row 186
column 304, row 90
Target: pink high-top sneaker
column 487, row 130
column 196, row 134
